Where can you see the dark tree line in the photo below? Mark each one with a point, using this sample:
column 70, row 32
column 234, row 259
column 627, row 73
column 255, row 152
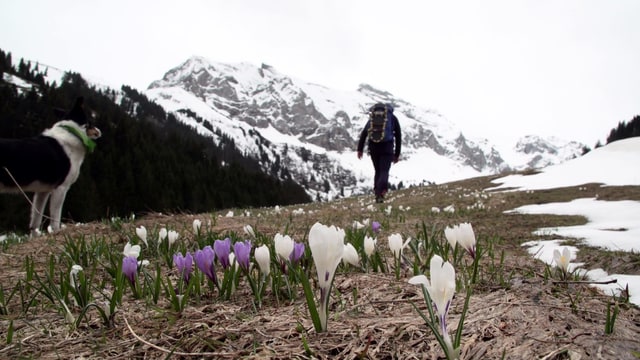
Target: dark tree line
column 145, row 161
column 625, row 130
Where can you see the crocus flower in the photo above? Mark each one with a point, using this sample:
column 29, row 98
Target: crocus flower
column 204, row 261
column 162, row 235
column 130, row 268
column 184, row 265
column 75, row 269
column 296, row 254
column 263, row 258
column 131, row 250
column 350, row 255
column 248, row 230
column 172, row 236
column 327, row 247
column 283, row 245
column 242, row 249
column 143, row 263
column 462, row 234
column 369, row 245
column 441, row 290
column 232, row 261
column 196, row 225
column 222, row 248
column 141, row 231
column 562, row 260
column 396, row 245
column 375, row 227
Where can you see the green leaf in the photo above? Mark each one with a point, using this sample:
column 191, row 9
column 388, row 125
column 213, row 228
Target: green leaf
column 311, row 302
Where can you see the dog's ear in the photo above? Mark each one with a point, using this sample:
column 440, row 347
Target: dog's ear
column 77, row 112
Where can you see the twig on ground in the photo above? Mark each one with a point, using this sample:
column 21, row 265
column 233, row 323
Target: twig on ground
column 613, row 281
column 167, row 350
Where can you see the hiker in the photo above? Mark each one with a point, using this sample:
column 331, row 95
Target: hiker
column 382, row 129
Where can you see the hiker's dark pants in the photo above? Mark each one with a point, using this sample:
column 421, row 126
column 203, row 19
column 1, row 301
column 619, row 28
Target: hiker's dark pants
column 382, row 157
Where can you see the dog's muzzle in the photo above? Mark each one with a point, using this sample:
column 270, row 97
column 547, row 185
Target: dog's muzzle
column 93, row 132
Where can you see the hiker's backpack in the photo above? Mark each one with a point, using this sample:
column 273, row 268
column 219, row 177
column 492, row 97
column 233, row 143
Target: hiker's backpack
column 380, row 123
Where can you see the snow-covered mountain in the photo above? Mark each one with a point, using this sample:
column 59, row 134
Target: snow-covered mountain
column 535, row 152
column 309, row 132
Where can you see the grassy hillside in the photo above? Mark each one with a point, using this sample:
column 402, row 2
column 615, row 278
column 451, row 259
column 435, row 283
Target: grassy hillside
column 519, row 307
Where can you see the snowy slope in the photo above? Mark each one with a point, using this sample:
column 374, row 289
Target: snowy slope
column 313, row 130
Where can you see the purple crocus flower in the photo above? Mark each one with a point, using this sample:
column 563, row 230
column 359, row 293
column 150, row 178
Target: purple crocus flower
column 130, row 268
column 296, row 254
column 375, row 226
column 242, row 249
column 204, row 261
column 184, row 265
column 222, row 248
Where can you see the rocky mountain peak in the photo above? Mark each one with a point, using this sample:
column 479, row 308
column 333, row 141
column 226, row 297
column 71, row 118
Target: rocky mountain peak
column 305, row 122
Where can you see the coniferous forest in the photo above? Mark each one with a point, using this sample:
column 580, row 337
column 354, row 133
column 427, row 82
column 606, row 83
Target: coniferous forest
column 146, row 160
column 625, row 130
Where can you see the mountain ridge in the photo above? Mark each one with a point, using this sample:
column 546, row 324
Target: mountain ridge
column 309, row 118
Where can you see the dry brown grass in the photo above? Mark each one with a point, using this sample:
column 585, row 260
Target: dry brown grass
column 524, row 315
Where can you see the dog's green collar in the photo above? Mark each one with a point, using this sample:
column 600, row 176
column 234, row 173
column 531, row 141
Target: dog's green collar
column 88, row 143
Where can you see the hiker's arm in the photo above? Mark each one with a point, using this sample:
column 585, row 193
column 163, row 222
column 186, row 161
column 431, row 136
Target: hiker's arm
column 363, row 138
column 398, row 136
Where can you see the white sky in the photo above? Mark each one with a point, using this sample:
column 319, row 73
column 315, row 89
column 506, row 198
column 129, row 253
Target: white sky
column 612, row 225
column 564, row 68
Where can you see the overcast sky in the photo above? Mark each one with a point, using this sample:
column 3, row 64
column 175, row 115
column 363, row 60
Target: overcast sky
column 498, row 69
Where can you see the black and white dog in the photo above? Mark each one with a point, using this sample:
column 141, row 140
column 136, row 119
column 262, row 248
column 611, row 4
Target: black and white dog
column 48, row 164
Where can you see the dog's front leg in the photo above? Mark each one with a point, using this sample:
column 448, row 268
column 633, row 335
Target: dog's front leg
column 37, row 210
column 55, row 207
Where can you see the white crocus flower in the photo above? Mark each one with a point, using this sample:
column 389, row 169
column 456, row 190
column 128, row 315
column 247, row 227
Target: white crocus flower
column 441, row 290
column 161, row 236
column 467, row 238
column 263, row 258
column 233, row 262
column 369, row 245
column 357, row 225
column 283, row 245
column 451, row 235
column 462, row 234
column 248, row 230
column 143, row 263
column 131, row 250
column 350, row 255
column 327, row 246
column 197, row 224
column 396, row 245
column 172, row 236
column 562, row 260
column 141, row 231
column 75, row 269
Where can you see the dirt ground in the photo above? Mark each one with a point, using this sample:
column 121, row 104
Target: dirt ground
column 520, row 313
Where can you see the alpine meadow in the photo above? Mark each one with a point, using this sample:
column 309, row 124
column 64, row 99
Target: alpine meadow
column 195, row 235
